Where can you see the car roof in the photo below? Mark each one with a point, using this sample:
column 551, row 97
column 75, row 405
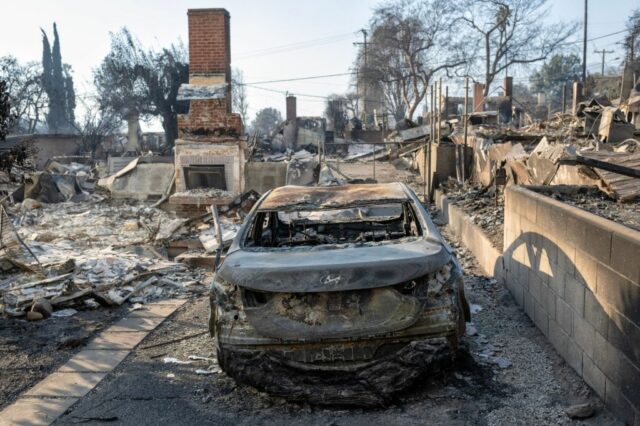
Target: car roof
column 297, row 197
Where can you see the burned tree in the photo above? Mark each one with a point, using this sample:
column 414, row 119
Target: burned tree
column 558, row 71
column 134, row 82
column 631, row 41
column 510, row 33
column 58, row 84
column 97, row 124
column 239, row 95
column 27, row 96
column 6, row 118
column 266, row 121
column 411, row 42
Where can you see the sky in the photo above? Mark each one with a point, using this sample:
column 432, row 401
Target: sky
column 270, row 40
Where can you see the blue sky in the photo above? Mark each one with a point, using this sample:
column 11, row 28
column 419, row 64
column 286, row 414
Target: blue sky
column 317, row 36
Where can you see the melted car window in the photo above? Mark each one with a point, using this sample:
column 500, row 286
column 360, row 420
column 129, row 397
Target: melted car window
column 361, row 224
column 364, row 213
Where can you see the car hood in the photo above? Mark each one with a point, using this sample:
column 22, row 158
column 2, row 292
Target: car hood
column 339, row 269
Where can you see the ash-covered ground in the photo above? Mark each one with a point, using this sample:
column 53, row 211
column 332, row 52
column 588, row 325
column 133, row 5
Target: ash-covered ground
column 510, row 376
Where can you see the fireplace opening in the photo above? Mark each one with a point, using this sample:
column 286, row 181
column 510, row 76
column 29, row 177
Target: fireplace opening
column 205, row 176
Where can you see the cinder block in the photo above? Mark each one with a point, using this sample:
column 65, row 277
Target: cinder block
column 511, row 227
column 518, row 293
column 556, row 284
column 558, row 337
column 564, row 315
column 523, row 276
column 567, row 258
column 545, row 268
column 550, row 250
column 541, row 318
column 529, row 305
column 607, row 358
column 584, row 335
column 595, row 314
column 618, row 404
column 622, row 294
column 625, row 252
column 553, row 219
column 624, row 335
column 593, row 376
column 586, row 269
column 573, row 356
column 534, row 286
column 576, row 231
column 550, row 304
column 574, row 294
column 598, row 243
column 630, row 381
column 526, row 206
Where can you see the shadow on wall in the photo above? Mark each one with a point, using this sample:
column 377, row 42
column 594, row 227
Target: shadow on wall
column 594, row 328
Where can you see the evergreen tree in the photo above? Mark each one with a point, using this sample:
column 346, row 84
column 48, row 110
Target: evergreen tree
column 58, row 84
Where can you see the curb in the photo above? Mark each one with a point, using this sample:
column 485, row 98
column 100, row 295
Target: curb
column 56, row 393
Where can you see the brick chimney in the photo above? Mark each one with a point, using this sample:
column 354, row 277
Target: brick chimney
column 210, row 64
column 292, row 112
column 209, row 43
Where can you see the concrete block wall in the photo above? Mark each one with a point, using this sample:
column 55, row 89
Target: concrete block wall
column 577, row 276
column 472, row 236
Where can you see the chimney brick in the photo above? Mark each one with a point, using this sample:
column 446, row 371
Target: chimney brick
column 209, row 42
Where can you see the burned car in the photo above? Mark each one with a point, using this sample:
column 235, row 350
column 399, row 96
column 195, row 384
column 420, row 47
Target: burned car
column 337, row 295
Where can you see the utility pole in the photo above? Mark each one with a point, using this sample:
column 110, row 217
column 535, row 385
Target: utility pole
column 446, row 102
column 364, row 82
column 433, row 95
column 584, row 47
column 604, row 52
column 466, row 124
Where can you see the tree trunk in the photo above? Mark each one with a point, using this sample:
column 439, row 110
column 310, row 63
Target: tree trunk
column 133, row 133
column 170, row 126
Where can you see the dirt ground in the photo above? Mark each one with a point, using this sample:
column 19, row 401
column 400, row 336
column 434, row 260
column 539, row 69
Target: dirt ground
column 30, row 351
column 512, row 376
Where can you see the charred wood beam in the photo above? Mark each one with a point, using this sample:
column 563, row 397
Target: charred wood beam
column 604, row 165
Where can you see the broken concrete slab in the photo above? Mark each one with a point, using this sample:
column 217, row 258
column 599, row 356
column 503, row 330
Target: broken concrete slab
column 146, row 181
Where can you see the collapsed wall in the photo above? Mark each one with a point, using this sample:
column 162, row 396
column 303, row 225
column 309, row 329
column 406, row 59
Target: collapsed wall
column 577, row 276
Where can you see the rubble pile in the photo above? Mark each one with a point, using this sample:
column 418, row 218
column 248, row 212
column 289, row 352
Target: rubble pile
column 482, row 205
column 92, row 253
column 595, row 201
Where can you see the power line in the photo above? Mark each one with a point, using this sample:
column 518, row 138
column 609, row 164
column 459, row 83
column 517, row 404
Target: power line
column 296, row 46
column 286, row 80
